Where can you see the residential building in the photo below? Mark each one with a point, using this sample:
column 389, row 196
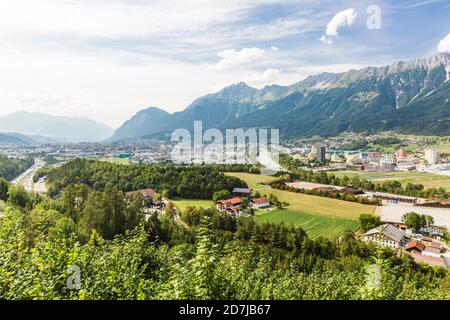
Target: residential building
column 431, row 156
column 232, row 206
column 321, row 154
column 386, row 236
column 415, row 246
column 401, row 153
column 260, row 203
column 146, row 193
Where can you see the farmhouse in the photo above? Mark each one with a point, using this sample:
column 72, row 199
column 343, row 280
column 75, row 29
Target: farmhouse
column 386, row 236
column 146, row 193
column 415, row 246
column 149, row 196
column 242, row 192
column 232, row 206
column 260, row 203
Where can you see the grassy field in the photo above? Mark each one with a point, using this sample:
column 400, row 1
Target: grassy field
column 182, row 204
column 299, row 202
column 318, row 216
column 315, row 225
column 2, row 205
column 429, row 180
column 124, row 161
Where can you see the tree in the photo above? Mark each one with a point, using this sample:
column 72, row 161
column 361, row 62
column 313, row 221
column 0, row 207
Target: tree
column 414, row 221
column 18, row 196
column 430, row 220
column 221, row 195
column 4, row 186
column 368, row 221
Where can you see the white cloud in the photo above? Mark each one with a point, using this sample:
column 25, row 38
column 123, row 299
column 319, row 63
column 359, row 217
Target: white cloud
column 343, row 18
column 444, row 44
column 233, row 57
column 270, row 76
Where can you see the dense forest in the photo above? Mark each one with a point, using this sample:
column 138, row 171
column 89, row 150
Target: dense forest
column 11, row 168
column 60, row 248
column 296, row 172
column 196, row 181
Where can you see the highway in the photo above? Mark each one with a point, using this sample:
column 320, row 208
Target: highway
column 26, row 178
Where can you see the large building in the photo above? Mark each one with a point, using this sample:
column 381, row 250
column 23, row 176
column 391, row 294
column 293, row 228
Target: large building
column 321, row 154
column 431, row 156
column 386, row 235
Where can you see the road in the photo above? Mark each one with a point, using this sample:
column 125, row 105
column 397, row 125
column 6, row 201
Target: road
column 26, row 178
column 394, row 213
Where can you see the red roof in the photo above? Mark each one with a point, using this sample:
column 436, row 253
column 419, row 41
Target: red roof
column 428, row 239
column 261, row 200
column 232, row 201
column 415, row 244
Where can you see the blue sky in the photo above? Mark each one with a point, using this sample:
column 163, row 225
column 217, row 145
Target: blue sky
column 108, row 59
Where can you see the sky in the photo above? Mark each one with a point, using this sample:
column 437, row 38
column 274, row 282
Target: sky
column 108, row 59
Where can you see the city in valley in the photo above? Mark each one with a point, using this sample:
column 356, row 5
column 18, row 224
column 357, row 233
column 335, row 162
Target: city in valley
column 416, row 168
column 217, row 153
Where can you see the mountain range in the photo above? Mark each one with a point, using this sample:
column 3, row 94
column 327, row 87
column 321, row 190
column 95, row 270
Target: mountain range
column 408, row 97
column 26, row 127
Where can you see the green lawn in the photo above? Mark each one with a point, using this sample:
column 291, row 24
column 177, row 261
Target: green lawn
column 2, row 205
column 182, row 204
column 315, row 225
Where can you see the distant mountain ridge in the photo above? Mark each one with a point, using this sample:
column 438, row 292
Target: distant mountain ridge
column 43, row 127
column 406, row 96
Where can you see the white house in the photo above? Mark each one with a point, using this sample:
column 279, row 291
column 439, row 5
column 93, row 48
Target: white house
column 386, row 236
column 260, row 203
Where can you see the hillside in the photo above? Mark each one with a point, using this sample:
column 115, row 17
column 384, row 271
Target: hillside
column 58, row 128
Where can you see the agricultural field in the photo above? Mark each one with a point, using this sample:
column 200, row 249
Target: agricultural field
column 318, row 216
column 315, row 225
column 428, row 180
column 299, row 202
column 182, row 204
column 124, row 161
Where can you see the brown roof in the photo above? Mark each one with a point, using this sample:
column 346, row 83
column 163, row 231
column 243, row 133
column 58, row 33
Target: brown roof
column 415, row 244
column 260, row 200
column 428, row 239
column 148, row 193
column 432, row 261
